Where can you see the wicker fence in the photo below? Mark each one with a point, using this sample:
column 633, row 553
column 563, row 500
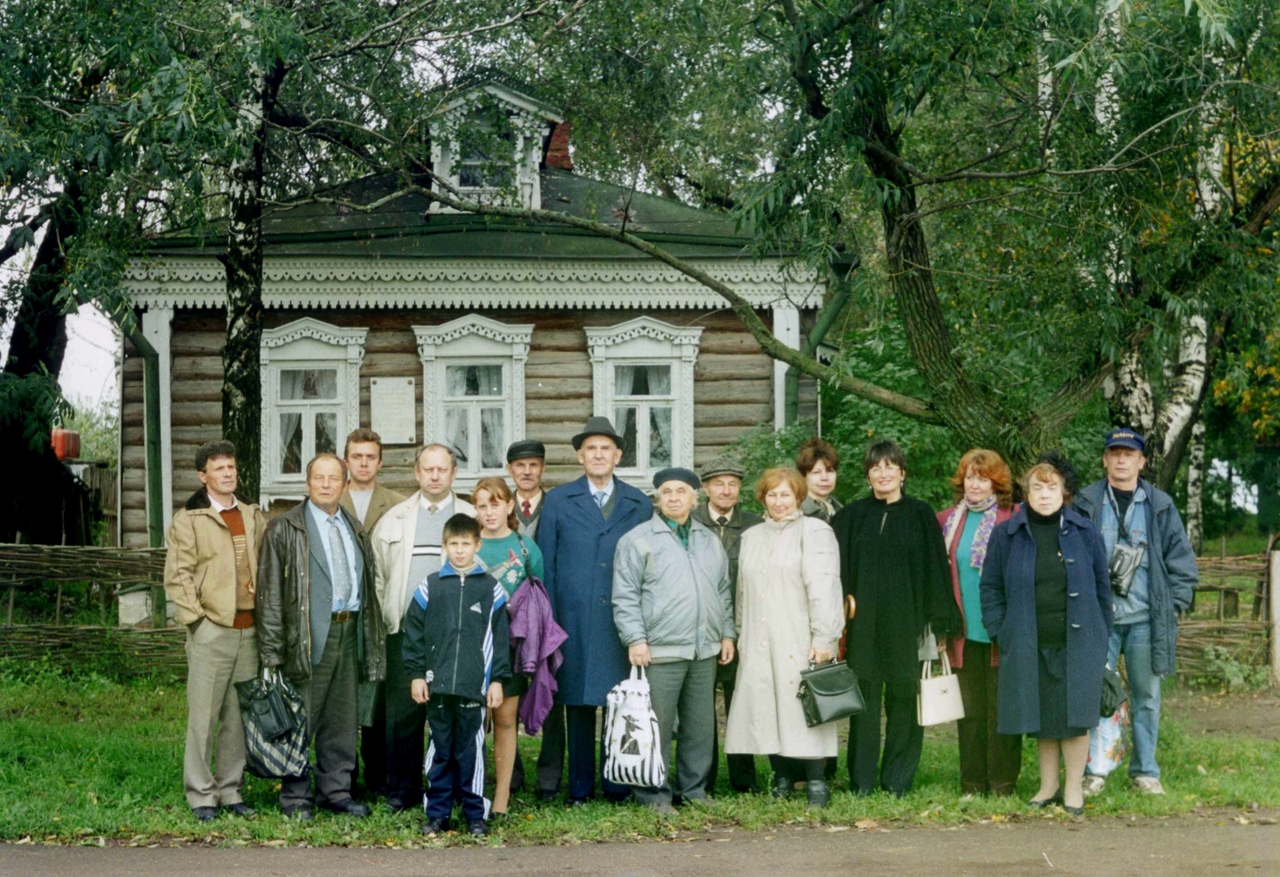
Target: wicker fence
column 1231, row 611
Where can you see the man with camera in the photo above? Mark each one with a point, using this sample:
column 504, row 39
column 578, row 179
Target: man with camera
column 1153, row 577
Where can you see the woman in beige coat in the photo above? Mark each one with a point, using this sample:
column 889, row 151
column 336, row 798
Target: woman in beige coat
column 788, row 614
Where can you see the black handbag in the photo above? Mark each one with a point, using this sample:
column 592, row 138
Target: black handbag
column 829, row 692
column 1113, row 693
column 263, row 705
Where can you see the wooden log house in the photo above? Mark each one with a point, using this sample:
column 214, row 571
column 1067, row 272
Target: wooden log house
column 496, row 330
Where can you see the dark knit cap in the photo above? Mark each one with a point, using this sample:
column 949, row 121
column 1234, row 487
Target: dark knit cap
column 675, row 473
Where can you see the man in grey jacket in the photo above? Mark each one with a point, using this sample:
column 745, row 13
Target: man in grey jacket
column 673, row 608
column 1132, row 513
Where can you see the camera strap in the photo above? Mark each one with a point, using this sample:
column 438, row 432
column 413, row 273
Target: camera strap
column 1115, row 507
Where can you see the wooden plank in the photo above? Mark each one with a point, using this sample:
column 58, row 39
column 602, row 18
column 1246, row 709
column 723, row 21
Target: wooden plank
column 196, row 414
column 1273, row 584
column 717, row 436
column 186, row 368
column 188, row 342
column 737, row 343
column 713, row 368
column 558, row 388
column 405, row 365
column 197, row 391
column 558, row 340
column 731, row 392
column 559, row 365
column 745, row 415
column 135, row 498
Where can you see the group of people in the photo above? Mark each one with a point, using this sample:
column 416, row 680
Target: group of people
column 392, row 615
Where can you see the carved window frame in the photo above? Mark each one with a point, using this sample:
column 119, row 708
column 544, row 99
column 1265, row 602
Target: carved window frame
column 301, row 344
column 473, row 340
column 647, row 341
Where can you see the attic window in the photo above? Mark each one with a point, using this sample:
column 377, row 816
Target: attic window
column 480, row 171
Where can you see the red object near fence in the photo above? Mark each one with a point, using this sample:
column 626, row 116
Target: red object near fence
column 66, row 444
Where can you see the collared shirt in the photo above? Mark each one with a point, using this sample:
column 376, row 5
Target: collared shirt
column 217, row 507
column 442, row 506
column 533, row 503
column 321, row 519
column 601, row 496
column 681, row 530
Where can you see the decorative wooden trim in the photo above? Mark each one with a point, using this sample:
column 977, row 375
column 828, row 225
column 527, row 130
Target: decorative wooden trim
column 658, row 342
column 157, row 328
column 622, row 284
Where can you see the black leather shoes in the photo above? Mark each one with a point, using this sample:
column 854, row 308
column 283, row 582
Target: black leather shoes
column 546, row 796
column 397, row 804
column 301, row 812
column 818, row 793
column 204, row 814
column 782, row 787
column 435, row 826
column 346, row 806
column 477, row 828
column 241, row 809
column 1055, row 798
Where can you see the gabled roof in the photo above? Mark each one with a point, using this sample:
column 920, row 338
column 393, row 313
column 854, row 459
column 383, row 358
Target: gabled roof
column 405, row 227
column 505, row 86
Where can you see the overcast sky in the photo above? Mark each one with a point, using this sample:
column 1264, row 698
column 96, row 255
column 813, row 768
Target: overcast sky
column 89, row 369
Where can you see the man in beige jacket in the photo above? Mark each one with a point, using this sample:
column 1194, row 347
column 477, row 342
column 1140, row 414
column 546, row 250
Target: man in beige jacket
column 210, row 574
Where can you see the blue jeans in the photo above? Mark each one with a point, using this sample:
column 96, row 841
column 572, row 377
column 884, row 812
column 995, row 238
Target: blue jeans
column 1134, row 641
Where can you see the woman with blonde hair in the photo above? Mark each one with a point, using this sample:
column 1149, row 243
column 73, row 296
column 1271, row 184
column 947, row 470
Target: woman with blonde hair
column 788, row 612
column 989, row 761
column 1046, row 601
column 510, row 559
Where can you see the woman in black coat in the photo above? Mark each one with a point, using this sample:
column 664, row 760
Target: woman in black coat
column 894, row 563
column 1046, row 601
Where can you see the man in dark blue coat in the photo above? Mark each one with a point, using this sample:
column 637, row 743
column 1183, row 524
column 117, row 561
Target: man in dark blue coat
column 581, row 524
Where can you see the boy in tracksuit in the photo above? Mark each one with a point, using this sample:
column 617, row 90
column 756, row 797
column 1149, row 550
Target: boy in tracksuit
column 457, row 654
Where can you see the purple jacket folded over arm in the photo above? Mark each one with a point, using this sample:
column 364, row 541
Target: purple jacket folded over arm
column 535, row 642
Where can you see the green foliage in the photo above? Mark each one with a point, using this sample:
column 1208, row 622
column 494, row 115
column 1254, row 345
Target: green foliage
column 28, row 403
column 1224, row 668
column 99, row 430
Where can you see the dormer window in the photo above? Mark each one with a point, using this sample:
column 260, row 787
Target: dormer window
column 488, row 144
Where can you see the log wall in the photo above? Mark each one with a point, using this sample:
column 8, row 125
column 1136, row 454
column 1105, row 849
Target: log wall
column 733, row 388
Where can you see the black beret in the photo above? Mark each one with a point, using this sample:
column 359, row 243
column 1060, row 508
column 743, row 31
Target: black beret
column 675, row 473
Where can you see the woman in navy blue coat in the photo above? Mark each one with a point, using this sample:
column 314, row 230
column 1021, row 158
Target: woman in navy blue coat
column 1046, row 600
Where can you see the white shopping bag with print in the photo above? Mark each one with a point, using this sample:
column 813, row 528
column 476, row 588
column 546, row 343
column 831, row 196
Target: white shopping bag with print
column 1106, row 742
column 632, row 745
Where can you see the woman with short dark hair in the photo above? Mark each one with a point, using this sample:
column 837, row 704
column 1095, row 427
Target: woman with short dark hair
column 894, row 564
column 1046, row 601
column 817, row 462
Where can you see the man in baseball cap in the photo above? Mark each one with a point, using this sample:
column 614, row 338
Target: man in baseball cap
column 1132, row 512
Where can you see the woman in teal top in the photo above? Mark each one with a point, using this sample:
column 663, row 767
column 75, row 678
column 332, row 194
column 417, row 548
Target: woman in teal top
column 989, row 761
column 509, row 558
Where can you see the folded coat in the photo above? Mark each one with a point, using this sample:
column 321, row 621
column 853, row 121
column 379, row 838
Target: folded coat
column 535, row 641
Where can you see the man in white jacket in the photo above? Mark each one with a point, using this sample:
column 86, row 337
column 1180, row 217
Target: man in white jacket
column 407, row 549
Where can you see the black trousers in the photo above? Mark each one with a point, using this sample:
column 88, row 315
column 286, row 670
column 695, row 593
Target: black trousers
column 551, row 754
column 330, row 700
column 989, row 761
column 903, row 738
column 372, row 771
column 742, row 767
column 404, row 725
column 455, row 758
column 584, row 743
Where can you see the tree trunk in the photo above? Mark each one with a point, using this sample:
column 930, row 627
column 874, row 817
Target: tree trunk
column 1195, row 488
column 242, row 381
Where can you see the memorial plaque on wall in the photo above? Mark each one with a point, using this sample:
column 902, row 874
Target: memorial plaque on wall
column 392, row 413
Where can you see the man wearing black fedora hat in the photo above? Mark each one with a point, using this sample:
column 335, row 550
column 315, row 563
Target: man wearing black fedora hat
column 578, row 533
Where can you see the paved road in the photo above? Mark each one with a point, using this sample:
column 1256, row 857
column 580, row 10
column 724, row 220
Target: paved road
column 1184, row 847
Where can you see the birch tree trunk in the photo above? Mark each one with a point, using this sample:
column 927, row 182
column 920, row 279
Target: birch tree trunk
column 1195, row 487
column 241, row 381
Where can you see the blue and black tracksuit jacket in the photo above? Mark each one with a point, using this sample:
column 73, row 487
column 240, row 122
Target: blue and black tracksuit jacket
column 456, row 633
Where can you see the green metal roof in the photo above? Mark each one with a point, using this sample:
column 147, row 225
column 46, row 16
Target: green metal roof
column 405, row 227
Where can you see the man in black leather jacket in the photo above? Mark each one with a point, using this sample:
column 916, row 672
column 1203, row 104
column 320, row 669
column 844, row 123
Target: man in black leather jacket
column 319, row 623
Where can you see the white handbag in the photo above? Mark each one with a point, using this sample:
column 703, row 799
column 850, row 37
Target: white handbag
column 632, row 744
column 938, row 700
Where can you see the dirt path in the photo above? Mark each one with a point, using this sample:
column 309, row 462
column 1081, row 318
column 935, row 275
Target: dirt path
column 1255, row 713
column 1194, row 846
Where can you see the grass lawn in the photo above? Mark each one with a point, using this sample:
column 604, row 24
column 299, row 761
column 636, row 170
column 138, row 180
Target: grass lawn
column 88, row 760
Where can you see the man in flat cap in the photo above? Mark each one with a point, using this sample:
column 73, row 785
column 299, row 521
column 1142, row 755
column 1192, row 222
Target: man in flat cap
column 581, row 524
column 674, row 611
column 1140, row 521
column 722, row 515
column 526, row 461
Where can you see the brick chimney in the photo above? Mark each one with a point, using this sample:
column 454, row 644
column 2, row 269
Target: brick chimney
column 558, row 148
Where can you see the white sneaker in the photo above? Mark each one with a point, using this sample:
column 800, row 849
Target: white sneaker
column 1093, row 784
column 1148, row 785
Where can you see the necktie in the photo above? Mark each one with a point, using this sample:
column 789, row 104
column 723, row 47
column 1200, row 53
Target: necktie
column 431, row 510
column 600, row 499
column 525, row 508
column 722, row 521
column 341, row 572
